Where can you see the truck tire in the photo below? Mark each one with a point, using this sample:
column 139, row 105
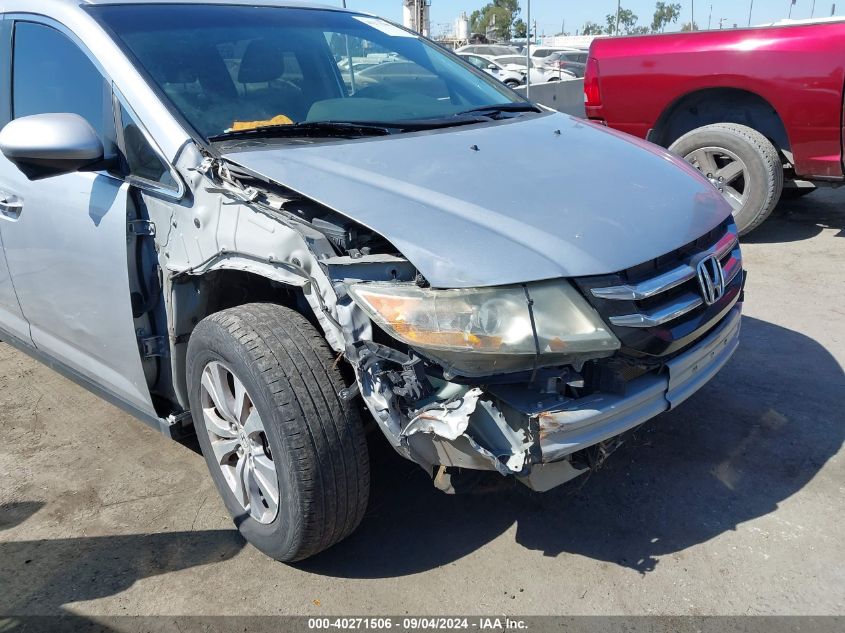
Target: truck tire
column 286, row 453
column 742, row 163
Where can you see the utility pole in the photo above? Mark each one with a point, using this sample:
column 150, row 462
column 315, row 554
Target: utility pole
column 692, row 15
column 813, row 10
column 791, row 4
column 528, row 43
column 709, row 17
column 750, row 9
column 832, row 9
column 618, row 9
column 720, row 23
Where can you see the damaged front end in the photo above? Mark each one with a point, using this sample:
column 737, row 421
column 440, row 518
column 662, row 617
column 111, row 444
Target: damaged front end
column 428, row 372
column 525, row 380
column 545, row 426
column 435, row 380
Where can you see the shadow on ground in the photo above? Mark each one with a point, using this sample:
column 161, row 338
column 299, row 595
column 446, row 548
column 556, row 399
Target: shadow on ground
column 40, row 576
column 750, row 439
column 803, row 218
column 15, row 513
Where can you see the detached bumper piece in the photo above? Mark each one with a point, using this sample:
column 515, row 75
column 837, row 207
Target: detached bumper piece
column 578, row 424
column 516, row 431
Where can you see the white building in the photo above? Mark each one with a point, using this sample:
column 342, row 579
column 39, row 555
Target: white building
column 416, row 15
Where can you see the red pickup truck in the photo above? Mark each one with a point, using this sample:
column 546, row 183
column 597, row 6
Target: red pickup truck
column 759, row 111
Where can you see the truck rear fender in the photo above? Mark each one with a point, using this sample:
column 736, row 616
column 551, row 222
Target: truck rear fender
column 721, row 105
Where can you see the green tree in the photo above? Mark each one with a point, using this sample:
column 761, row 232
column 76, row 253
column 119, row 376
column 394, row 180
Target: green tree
column 591, row 28
column 520, row 29
column 499, row 14
column 627, row 22
column 690, row 26
column 664, row 14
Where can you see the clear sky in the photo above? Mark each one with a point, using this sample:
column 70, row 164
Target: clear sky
column 551, row 13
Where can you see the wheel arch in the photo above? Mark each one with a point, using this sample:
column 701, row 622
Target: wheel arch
column 721, row 105
column 195, row 297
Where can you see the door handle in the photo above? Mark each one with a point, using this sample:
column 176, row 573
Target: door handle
column 10, row 205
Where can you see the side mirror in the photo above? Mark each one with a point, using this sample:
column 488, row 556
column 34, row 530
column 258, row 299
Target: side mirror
column 493, row 67
column 44, row 145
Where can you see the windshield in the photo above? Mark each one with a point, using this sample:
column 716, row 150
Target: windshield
column 228, row 68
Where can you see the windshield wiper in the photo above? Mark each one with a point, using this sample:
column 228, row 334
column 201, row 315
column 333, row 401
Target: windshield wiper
column 356, row 129
column 499, row 108
column 313, row 129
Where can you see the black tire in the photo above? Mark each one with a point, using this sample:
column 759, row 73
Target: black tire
column 761, row 160
column 512, row 83
column 317, row 440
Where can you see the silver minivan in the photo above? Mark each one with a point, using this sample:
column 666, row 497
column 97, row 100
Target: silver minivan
column 212, row 216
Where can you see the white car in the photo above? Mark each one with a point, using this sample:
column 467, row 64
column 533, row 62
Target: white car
column 512, row 77
column 487, row 50
column 539, row 53
column 519, row 63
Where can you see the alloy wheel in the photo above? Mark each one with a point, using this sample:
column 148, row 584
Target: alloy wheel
column 239, row 441
column 725, row 170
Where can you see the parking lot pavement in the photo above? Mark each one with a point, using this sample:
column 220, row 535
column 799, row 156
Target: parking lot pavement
column 731, row 504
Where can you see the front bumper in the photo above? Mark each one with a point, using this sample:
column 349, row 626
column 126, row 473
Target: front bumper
column 516, row 430
column 581, row 423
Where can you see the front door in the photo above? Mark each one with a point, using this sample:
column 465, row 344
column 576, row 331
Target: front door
column 11, row 318
column 66, row 245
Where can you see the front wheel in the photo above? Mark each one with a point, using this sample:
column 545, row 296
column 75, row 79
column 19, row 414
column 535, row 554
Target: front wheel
column 741, row 163
column 512, row 83
column 286, row 453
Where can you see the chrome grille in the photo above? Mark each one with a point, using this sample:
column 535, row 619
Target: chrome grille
column 679, row 285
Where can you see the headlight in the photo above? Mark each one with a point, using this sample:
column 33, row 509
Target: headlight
column 478, row 331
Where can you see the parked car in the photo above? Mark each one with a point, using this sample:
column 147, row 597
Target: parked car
column 511, row 60
column 511, row 77
column 488, row 50
column 540, row 53
column 558, row 75
column 390, row 71
column 579, row 57
column 758, row 111
column 562, row 61
column 219, row 239
column 520, row 64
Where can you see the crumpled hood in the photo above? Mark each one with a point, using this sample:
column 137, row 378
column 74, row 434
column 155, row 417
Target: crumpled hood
column 508, row 202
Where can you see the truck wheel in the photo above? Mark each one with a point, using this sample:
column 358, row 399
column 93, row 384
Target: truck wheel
column 287, row 455
column 512, row 83
column 741, row 163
